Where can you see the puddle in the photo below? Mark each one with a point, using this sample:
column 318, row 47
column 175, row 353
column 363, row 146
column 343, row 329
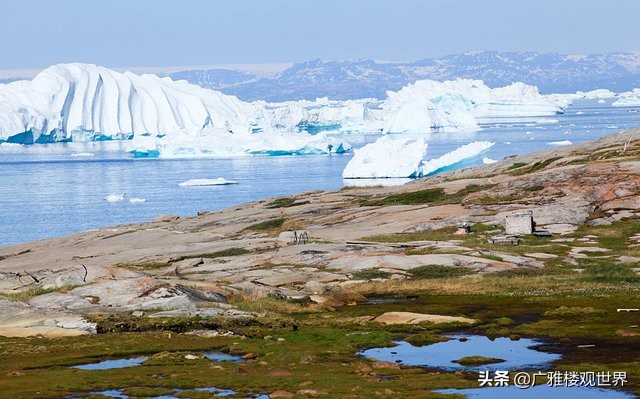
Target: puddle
column 389, row 300
column 516, row 354
column 112, row 364
column 214, row 356
column 217, row 356
column 539, row 391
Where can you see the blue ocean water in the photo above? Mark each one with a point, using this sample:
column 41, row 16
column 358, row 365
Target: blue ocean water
column 50, row 190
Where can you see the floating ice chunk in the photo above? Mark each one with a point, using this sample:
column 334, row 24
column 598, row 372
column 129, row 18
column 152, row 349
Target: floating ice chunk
column 220, row 181
column 628, row 99
column 580, row 113
column 82, row 154
column 136, row 200
column 544, row 121
column 560, row 143
column 601, row 101
column 389, row 156
column 454, row 159
column 115, row 197
column 487, row 160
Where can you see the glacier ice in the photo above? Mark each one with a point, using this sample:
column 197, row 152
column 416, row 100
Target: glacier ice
column 389, row 156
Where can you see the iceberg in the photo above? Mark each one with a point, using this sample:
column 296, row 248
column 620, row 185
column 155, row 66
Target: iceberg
column 454, row 159
column 560, row 143
column 389, row 156
column 115, row 197
column 488, row 161
column 628, row 99
column 136, row 200
column 220, row 181
column 461, row 104
column 403, row 156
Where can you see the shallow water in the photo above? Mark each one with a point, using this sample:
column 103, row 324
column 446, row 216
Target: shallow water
column 217, row 392
column 113, row 364
column 516, row 354
column 217, row 356
column 57, row 189
column 539, row 391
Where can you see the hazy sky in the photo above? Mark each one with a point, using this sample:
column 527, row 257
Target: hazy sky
column 126, row 33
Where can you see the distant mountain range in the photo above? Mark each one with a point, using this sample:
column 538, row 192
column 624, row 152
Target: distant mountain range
column 342, row 80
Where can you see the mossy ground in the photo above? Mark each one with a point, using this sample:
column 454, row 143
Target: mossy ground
column 299, row 346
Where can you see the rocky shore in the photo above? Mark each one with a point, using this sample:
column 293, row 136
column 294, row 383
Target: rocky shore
column 315, row 246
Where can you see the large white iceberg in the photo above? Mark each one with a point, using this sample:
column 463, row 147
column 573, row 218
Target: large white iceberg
column 166, row 118
column 81, row 102
column 402, row 156
column 389, row 156
column 461, row 104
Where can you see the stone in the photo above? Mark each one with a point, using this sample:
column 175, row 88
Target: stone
column 415, row 318
column 519, row 223
column 166, row 218
column 628, row 259
column 314, row 287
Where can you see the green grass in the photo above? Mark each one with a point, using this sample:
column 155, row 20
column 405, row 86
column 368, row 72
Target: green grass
column 33, row 292
column 516, row 165
column 603, row 271
column 534, row 167
column 234, row 251
column 438, row 271
column 369, row 274
column 427, row 196
column 285, row 202
column 267, row 224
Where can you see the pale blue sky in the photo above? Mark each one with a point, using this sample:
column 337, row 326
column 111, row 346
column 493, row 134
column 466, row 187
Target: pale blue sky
column 126, row 33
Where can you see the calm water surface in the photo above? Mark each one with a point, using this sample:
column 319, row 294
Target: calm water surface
column 53, row 190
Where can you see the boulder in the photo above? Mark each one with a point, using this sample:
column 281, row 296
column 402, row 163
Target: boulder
column 415, row 318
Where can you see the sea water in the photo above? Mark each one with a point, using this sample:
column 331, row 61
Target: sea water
column 51, row 190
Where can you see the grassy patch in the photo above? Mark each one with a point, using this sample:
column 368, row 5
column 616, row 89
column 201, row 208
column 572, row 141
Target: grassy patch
column 438, row 271
column 370, row 274
column 33, row 292
column 233, row 251
column 425, row 338
column 285, row 202
column 427, row 196
column 600, row 271
column 536, row 187
column 534, row 167
column 144, row 266
column 270, row 224
column 477, row 360
column 516, row 165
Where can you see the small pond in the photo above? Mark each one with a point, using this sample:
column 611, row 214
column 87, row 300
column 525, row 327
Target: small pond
column 517, row 354
column 113, row 364
column 214, row 356
column 217, row 356
column 539, row 391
